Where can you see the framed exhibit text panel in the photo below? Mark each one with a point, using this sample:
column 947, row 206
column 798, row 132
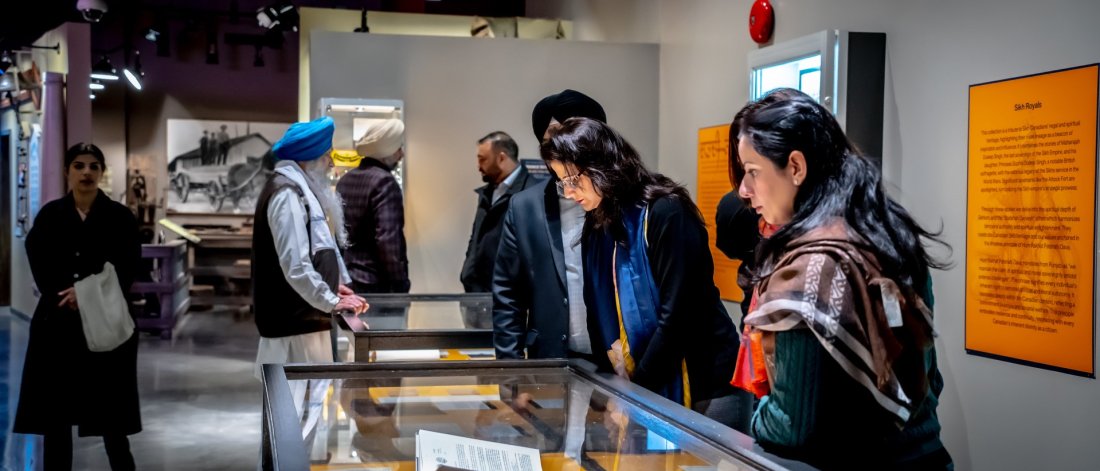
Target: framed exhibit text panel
column 1030, row 220
column 713, row 184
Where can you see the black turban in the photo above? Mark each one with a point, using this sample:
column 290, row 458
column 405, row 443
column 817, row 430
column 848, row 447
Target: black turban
column 562, row 106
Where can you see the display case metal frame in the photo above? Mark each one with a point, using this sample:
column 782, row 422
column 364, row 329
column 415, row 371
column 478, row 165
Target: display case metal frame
column 283, row 447
column 363, row 341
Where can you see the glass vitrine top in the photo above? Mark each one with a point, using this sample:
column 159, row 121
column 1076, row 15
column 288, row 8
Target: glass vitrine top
column 390, row 312
column 368, row 420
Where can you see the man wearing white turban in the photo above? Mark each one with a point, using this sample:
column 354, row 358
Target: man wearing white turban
column 374, row 212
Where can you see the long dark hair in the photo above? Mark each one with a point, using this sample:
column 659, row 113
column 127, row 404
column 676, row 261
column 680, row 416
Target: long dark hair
column 615, row 169
column 839, row 183
column 737, row 170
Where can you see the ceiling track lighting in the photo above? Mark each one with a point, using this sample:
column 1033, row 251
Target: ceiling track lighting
column 363, row 28
column 159, row 34
column 103, row 70
column 212, row 47
column 133, row 79
column 96, row 85
column 135, row 74
column 281, row 16
column 7, row 83
column 5, row 61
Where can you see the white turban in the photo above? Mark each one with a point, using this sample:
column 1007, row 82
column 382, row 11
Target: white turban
column 382, row 139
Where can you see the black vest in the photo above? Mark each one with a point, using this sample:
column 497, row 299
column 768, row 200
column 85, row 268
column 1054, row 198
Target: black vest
column 278, row 309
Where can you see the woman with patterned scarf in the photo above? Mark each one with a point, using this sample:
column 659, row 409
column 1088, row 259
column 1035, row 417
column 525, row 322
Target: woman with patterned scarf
column 648, row 273
column 843, row 300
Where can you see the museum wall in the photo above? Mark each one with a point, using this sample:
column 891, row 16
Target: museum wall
column 457, row 90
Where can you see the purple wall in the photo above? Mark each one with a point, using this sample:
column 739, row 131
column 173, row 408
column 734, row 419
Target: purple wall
column 184, row 86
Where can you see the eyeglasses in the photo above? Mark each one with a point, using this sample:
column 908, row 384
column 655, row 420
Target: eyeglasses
column 572, row 182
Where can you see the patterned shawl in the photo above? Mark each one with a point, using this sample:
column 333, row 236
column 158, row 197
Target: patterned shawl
column 876, row 329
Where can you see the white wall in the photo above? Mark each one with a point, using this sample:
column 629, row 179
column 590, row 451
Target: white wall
column 1007, row 416
column 634, row 21
column 456, row 90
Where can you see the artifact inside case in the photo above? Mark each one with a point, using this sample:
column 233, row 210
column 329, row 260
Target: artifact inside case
column 421, row 327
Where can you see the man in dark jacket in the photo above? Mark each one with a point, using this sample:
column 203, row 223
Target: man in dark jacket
column 497, row 160
column 737, row 235
column 376, row 256
column 538, row 304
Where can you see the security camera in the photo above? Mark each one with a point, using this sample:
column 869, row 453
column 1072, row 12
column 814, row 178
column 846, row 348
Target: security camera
column 92, row 10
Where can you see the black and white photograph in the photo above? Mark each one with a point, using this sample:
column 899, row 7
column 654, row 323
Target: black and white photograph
column 218, row 166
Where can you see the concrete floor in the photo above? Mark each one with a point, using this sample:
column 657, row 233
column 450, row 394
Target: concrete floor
column 200, row 404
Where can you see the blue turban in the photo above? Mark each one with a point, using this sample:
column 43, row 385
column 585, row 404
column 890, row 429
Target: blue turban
column 306, row 141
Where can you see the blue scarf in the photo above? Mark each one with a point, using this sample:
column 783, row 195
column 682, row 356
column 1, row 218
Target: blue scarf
column 619, row 281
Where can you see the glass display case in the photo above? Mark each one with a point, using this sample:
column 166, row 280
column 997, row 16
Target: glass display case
column 352, row 117
column 421, row 327
column 368, row 416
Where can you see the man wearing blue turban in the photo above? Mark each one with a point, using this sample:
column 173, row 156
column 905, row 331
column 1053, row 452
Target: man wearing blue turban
column 298, row 276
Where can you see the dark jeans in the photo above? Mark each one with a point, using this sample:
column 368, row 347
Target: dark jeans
column 57, row 451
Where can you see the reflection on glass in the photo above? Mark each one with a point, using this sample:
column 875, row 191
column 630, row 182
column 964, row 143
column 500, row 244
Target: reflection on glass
column 422, row 327
column 400, row 314
column 574, row 424
column 802, row 74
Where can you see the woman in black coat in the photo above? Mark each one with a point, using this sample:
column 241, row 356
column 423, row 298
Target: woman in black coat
column 648, row 274
column 64, row 383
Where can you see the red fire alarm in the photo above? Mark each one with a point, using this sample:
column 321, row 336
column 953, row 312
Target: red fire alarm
column 761, row 21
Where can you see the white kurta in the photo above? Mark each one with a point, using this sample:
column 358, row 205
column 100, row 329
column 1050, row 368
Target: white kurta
column 287, row 215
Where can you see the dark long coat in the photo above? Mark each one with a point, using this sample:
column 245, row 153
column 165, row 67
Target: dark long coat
column 481, row 252
column 64, row 383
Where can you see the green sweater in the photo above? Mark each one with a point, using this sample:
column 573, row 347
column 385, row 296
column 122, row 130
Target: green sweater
column 818, row 414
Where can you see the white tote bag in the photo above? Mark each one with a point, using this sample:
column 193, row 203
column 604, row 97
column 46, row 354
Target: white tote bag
column 103, row 310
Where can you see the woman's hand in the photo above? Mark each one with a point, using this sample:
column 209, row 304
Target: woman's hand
column 68, row 298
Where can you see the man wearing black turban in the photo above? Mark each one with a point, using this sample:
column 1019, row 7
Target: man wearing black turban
column 562, row 106
column 538, row 304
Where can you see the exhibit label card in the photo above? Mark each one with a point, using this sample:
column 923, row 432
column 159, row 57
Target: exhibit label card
column 1030, row 220
column 435, row 451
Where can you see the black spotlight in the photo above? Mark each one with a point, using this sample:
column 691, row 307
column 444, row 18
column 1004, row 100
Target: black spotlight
column 134, row 74
column 5, row 61
column 212, row 48
column 363, row 28
column 103, row 69
column 282, row 16
column 159, row 34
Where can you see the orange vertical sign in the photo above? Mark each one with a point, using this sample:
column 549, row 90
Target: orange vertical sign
column 713, row 184
column 1030, row 220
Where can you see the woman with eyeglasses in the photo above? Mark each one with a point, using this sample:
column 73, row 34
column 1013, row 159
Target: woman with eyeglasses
column 648, row 273
column 64, row 383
